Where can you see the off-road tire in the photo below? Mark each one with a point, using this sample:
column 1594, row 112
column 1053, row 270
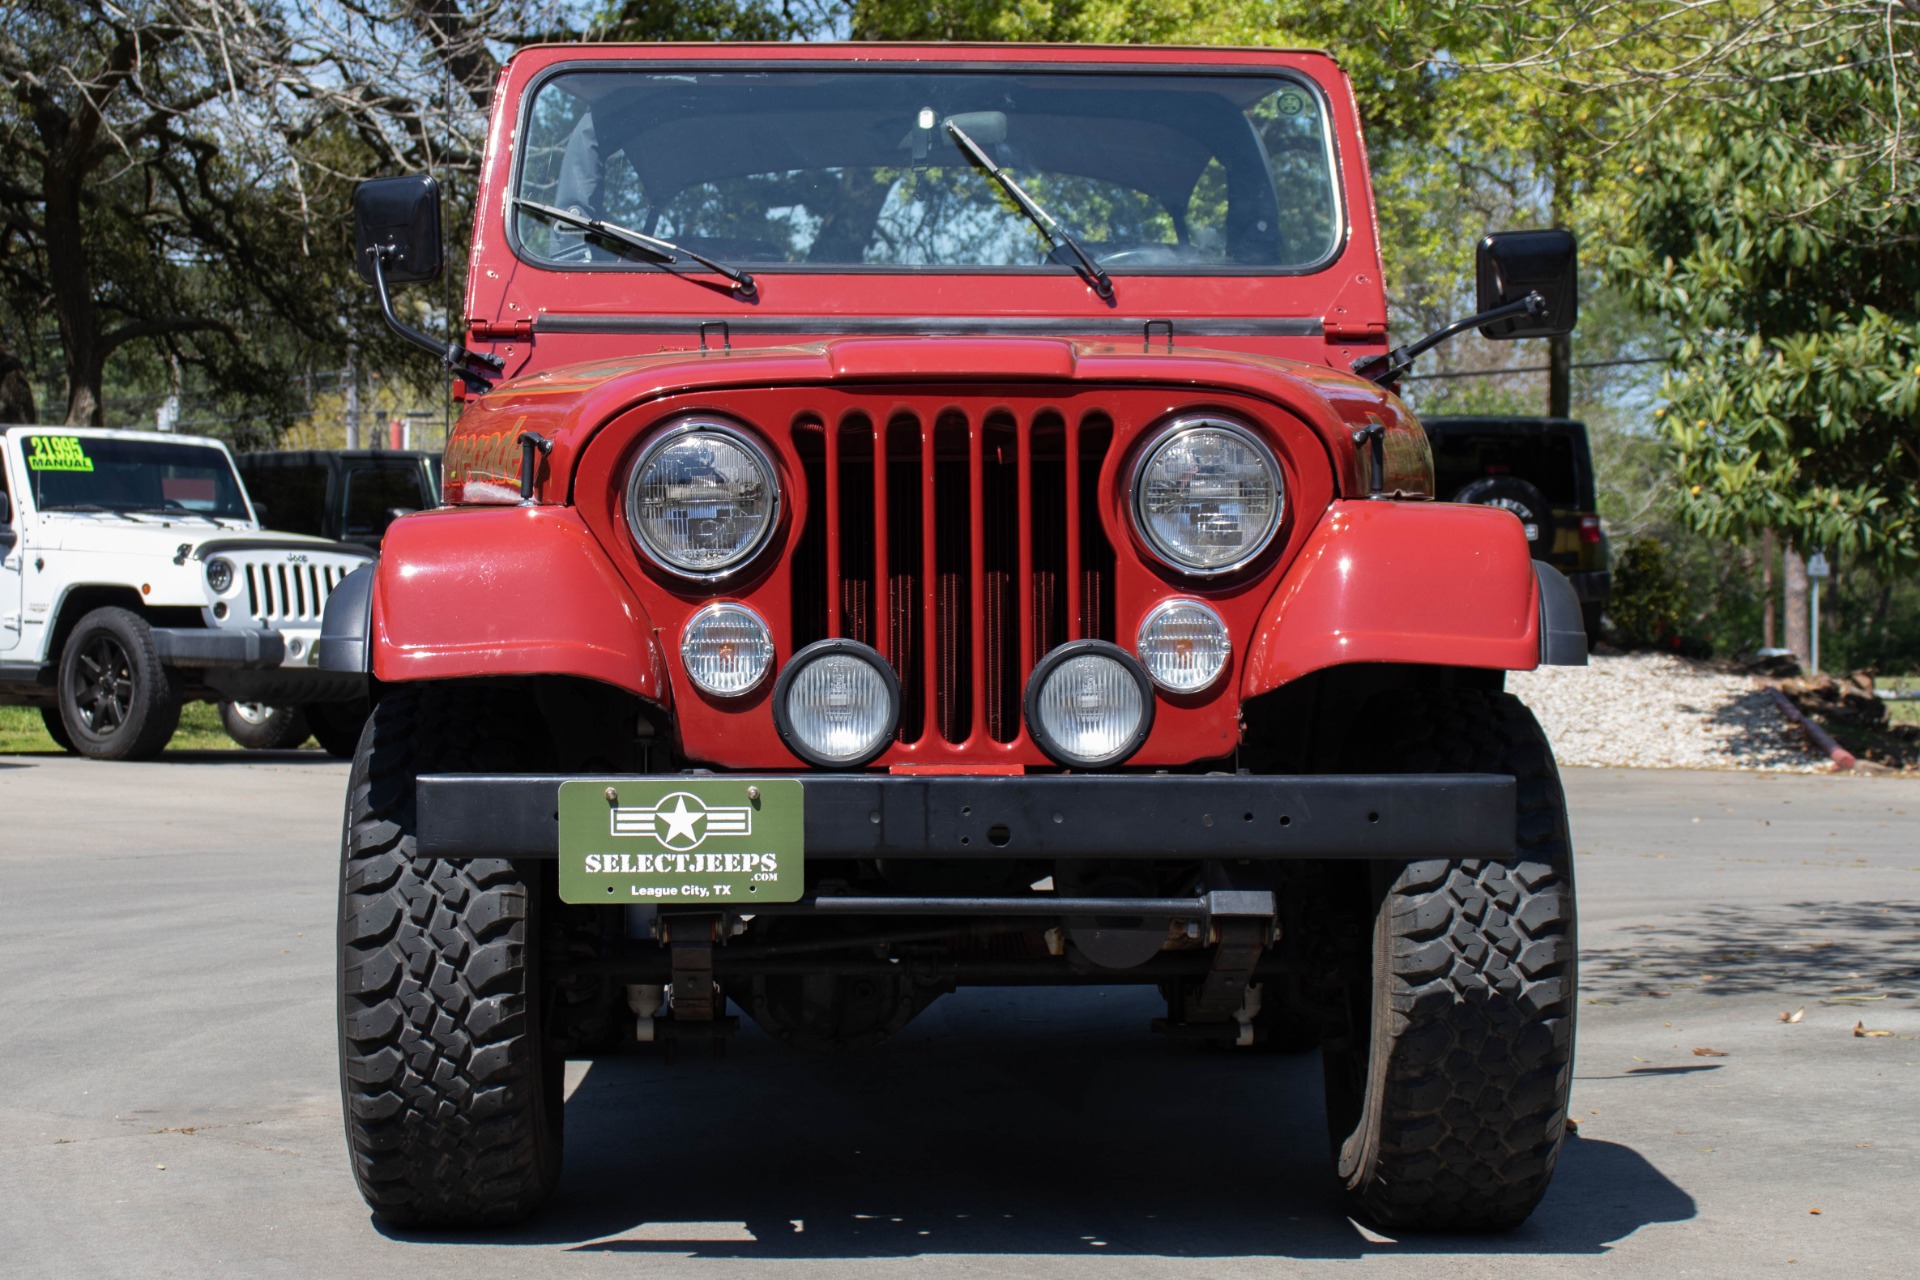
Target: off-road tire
column 56, row 728
column 451, row 1092
column 336, row 726
column 1447, row 1105
column 259, row 727
column 111, row 677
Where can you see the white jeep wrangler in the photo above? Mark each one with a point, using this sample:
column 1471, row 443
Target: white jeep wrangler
column 135, row 577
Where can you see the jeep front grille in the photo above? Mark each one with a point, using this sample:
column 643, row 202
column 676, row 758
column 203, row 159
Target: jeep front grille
column 281, row 593
column 913, row 544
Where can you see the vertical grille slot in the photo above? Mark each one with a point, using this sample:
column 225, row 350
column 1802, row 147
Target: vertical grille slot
column 906, row 602
column 953, row 561
column 854, row 528
column 1047, row 593
column 1000, row 573
column 1096, row 553
column 809, row 565
column 253, row 592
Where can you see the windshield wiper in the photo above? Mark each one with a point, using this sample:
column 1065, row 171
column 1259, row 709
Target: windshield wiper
column 1057, row 236
column 662, row 251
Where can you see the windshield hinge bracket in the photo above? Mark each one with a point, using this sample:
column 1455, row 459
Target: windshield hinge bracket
column 726, row 335
column 1146, row 334
column 502, row 330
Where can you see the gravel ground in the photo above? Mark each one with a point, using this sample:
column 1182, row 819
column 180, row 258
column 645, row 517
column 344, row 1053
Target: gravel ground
column 1656, row 711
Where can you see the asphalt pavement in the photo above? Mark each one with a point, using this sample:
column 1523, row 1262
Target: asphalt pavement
column 169, row 1104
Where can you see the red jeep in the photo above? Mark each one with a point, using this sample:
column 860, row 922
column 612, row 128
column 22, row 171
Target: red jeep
column 939, row 515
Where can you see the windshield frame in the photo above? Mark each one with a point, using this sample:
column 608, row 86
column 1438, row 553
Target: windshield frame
column 1342, row 222
column 30, row 496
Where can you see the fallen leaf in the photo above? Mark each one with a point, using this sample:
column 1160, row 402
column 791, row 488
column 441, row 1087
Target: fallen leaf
column 1637, row 1058
column 1795, row 1016
column 1863, row 1145
column 159, row 1166
column 1703, row 1052
column 1660, row 995
column 1814, row 1212
column 1572, row 1123
column 1862, row 1030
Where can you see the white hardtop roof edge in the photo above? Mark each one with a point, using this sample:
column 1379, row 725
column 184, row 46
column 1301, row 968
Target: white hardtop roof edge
column 113, row 433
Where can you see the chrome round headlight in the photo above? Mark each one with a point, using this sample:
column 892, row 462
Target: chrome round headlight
column 1207, row 496
column 837, row 704
column 726, row 649
column 1184, row 645
column 1089, row 704
column 219, row 575
column 702, row 499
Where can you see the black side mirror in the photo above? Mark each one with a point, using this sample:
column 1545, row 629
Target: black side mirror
column 399, row 218
column 260, row 513
column 396, row 240
column 1512, row 264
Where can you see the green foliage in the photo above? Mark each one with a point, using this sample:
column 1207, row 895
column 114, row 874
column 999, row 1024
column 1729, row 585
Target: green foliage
column 1649, row 606
column 1787, row 272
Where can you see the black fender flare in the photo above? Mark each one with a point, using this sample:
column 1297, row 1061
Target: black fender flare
column 1563, row 636
column 346, row 627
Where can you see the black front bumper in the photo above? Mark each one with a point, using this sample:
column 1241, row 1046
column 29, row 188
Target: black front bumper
column 1081, row 816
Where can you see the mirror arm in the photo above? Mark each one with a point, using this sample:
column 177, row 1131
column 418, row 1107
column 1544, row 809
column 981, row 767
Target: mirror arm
column 472, row 367
column 1389, row 367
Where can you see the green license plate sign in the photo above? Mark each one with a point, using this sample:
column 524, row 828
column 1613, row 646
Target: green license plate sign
column 714, row 841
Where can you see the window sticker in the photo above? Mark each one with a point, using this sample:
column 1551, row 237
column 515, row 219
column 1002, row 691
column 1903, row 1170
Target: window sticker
column 57, row 453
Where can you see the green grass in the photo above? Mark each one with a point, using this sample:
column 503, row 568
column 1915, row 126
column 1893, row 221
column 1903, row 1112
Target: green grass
column 23, row 733
column 1900, row 712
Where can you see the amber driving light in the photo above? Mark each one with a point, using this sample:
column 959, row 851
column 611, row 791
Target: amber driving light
column 726, row 649
column 702, row 499
column 1183, row 644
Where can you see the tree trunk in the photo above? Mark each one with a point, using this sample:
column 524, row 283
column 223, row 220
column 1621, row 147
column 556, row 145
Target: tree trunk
column 73, row 304
column 1794, row 571
column 16, row 390
column 1766, row 588
column 1560, row 349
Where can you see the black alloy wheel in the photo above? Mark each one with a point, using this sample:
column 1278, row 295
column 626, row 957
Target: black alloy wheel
column 116, row 701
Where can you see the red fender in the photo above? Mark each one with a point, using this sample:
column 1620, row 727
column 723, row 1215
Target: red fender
column 1427, row 582
column 493, row 591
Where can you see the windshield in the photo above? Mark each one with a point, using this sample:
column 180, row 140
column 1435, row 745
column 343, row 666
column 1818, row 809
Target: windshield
column 96, row 473
column 1179, row 173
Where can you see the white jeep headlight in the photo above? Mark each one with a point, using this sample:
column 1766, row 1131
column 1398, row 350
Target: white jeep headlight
column 702, row 499
column 1207, row 495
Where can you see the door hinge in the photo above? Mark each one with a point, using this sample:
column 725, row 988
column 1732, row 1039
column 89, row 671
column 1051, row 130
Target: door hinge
column 1352, row 331
column 501, row 330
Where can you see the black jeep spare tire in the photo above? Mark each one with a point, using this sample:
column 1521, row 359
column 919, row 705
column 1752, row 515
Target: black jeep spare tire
column 451, row 1087
column 257, row 726
column 116, row 701
column 1447, row 1102
column 1521, row 497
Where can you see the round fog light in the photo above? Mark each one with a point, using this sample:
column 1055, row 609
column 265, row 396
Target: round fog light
column 837, row 704
column 1089, row 704
column 726, row 649
column 1183, row 644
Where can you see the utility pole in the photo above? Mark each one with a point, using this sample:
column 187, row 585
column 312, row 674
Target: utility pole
column 1766, row 588
column 353, row 395
column 1818, row 571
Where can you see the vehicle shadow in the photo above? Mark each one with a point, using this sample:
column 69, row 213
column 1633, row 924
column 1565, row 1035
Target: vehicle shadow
column 1008, row 1123
column 239, row 755
column 1804, row 950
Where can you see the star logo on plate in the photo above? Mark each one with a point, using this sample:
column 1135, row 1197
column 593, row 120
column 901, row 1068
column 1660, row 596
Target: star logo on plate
column 682, row 821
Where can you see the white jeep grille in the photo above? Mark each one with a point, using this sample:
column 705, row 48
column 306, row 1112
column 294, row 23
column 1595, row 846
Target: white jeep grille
column 280, row 593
